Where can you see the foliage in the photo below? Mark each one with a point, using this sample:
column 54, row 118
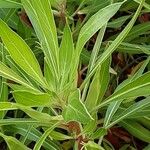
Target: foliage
column 44, row 50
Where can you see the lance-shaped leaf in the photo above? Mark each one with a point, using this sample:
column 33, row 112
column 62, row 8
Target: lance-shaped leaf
column 114, row 44
column 113, row 107
column 98, row 86
column 96, row 22
column 33, row 135
column 132, row 110
column 40, row 142
column 136, row 129
column 66, row 53
column 13, row 143
column 8, row 73
column 9, row 4
column 138, row 87
column 43, row 117
column 41, row 16
column 76, row 110
column 21, row 53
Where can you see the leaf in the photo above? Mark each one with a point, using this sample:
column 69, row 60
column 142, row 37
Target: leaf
column 40, row 142
column 93, row 57
column 114, row 44
column 13, row 143
column 93, row 146
column 41, row 16
column 3, row 86
column 134, row 48
column 117, row 23
column 21, row 53
column 113, row 107
column 43, row 117
column 76, row 110
column 147, row 147
column 99, row 133
column 59, row 136
column 135, row 32
column 136, row 130
column 111, row 110
column 21, row 121
column 132, row 110
column 138, row 87
column 66, row 53
column 9, row 4
column 91, row 126
column 98, row 86
column 31, row 99
column 8, row 73
column 33, row 135
column 97, row 21
column 135, row 76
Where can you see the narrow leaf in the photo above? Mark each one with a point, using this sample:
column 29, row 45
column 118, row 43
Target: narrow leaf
column 21, row 53
column 13, row 143
column 136, row 130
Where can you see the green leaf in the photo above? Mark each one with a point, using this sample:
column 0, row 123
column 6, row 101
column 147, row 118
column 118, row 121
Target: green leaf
column 113, row 107
column 136, row 130
column 33, row 135
column 135, row 76
column 99, row 133
column 117, row 23
column 13, row 143
column 3, row 87
column 132, row 110
column 59, row 136
column 9, row 4
column 31, row 99
column 138, row 87
column 40, row 142
column 76, row 110
column 66, row 53
column 111, row 110
column 96, row 22
column 8, row 73
column 93, row 146
column 91, row 126
column 41, row 16
column 94, row 56
column 114, row 44
column 136, row 31
column 43, row 117
column 147, row 147
column 21, row 121
column 98, row 86
column 21, row 53
column 134, row 48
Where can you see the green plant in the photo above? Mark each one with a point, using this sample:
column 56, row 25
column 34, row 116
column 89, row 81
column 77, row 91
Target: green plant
column 47, row 91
